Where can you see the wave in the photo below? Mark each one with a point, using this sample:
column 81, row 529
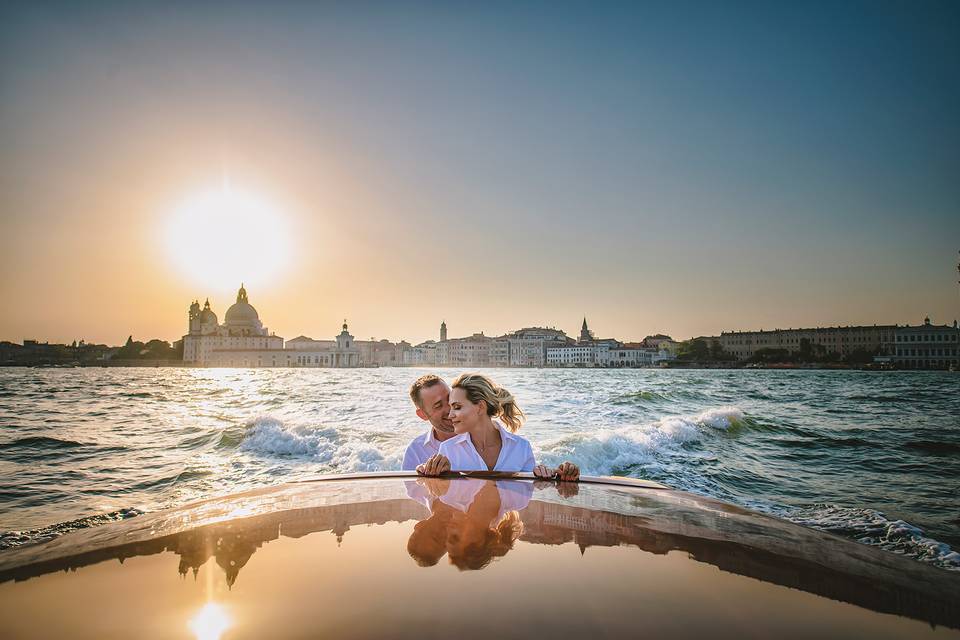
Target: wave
column 266, row 435
column 618, row 451
column 41, row 442
column 933, row 447
column 9, row 539
column 874, row 528
column 655, row 397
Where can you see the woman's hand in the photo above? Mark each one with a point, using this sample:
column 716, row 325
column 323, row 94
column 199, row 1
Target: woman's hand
column 543, row 472
column 435, row 466
column 568, row 472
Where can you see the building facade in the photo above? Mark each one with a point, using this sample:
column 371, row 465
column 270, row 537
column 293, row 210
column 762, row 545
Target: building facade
column 241, row 339
column 423, row 354
column 574, row 355
column 842, row 341
column 341, row 352
column 926, row 346
column 528, row 347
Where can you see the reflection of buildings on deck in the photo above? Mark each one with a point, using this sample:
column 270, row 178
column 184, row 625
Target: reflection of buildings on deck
column 659, row 522
column 232, row 544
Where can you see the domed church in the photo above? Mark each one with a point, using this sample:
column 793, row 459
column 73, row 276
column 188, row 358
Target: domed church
column 241, row 340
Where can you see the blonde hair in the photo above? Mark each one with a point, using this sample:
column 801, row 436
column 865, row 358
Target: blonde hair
column 499, row 401
column 497, row 541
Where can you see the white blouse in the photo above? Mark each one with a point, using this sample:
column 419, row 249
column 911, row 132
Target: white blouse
column 516, row 454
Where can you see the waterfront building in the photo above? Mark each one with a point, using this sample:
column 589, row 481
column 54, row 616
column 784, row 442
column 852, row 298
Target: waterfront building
column 423, row 354
column 443, row 353
column 241, row 340
column 468, row 352
column 843, row 341
column 500, row 352
column 303, row 343
column 634, row 354
column 926, row 346
column 528, row 347
column 341, row 352
column 661, row 341
column 381, row 353
column 573, row 355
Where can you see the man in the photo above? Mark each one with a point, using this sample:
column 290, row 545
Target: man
column 431, row 396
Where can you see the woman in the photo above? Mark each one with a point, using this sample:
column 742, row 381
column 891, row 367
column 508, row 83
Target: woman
column 482, row 443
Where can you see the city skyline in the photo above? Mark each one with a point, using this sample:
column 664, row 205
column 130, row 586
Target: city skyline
column 441, row 329
column 684, row 169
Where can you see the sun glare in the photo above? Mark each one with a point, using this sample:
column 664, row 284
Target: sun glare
column 228, row 235
column 210, row 622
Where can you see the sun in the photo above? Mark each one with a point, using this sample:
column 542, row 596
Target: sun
column 228, row 235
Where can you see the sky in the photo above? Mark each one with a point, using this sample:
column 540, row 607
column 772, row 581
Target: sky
column 674, row 167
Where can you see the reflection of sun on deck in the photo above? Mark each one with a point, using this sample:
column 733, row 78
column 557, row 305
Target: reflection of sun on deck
column 658, row 522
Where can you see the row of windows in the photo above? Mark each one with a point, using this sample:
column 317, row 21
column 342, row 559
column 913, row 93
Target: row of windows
column 939, row 337
column 926, row 352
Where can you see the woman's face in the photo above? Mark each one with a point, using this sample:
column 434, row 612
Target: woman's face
column 464, row 414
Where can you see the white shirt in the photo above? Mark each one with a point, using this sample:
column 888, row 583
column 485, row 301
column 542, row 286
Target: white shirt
column 420, row 449
column 516, row 454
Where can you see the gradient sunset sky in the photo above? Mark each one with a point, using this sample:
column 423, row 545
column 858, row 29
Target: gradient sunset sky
column 668, row 167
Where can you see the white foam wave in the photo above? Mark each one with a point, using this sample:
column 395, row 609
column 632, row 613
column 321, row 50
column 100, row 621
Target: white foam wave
column 874, row 528
column 268, row 435
column 721, row 418
column 610, row 451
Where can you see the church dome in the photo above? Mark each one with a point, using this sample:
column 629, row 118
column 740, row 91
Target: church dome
column 242, row 314
column 207, row 316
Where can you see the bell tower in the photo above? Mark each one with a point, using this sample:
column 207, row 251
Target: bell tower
column 443, row 331
column 193, row 327
column 585, row 334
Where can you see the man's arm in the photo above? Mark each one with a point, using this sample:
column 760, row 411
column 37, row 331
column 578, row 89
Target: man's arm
column 410, row 460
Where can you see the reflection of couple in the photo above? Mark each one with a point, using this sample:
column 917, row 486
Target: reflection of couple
column 472, row 520
column 463, row 434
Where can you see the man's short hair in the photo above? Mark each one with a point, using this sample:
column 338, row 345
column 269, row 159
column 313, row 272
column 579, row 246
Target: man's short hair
column 423, row 382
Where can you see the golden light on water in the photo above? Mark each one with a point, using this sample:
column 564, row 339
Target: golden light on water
column 210, row 622
column 228, row 234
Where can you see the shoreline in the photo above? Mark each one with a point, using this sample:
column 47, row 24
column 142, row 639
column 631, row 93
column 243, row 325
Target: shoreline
column 153, row 364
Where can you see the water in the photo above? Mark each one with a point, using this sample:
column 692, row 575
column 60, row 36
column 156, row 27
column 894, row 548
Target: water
column 870, row 456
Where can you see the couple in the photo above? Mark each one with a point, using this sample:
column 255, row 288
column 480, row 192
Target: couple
column 463, row 434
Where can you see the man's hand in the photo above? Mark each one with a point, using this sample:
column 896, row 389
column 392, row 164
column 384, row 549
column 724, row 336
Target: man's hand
column 435, row 466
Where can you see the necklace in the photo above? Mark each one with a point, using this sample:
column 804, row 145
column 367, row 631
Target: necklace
column 483, row 447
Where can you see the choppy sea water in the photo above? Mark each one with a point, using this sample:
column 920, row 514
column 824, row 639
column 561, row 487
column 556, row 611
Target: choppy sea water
column 874, row 457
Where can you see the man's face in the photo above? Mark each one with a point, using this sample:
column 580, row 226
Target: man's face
column 435, row 407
